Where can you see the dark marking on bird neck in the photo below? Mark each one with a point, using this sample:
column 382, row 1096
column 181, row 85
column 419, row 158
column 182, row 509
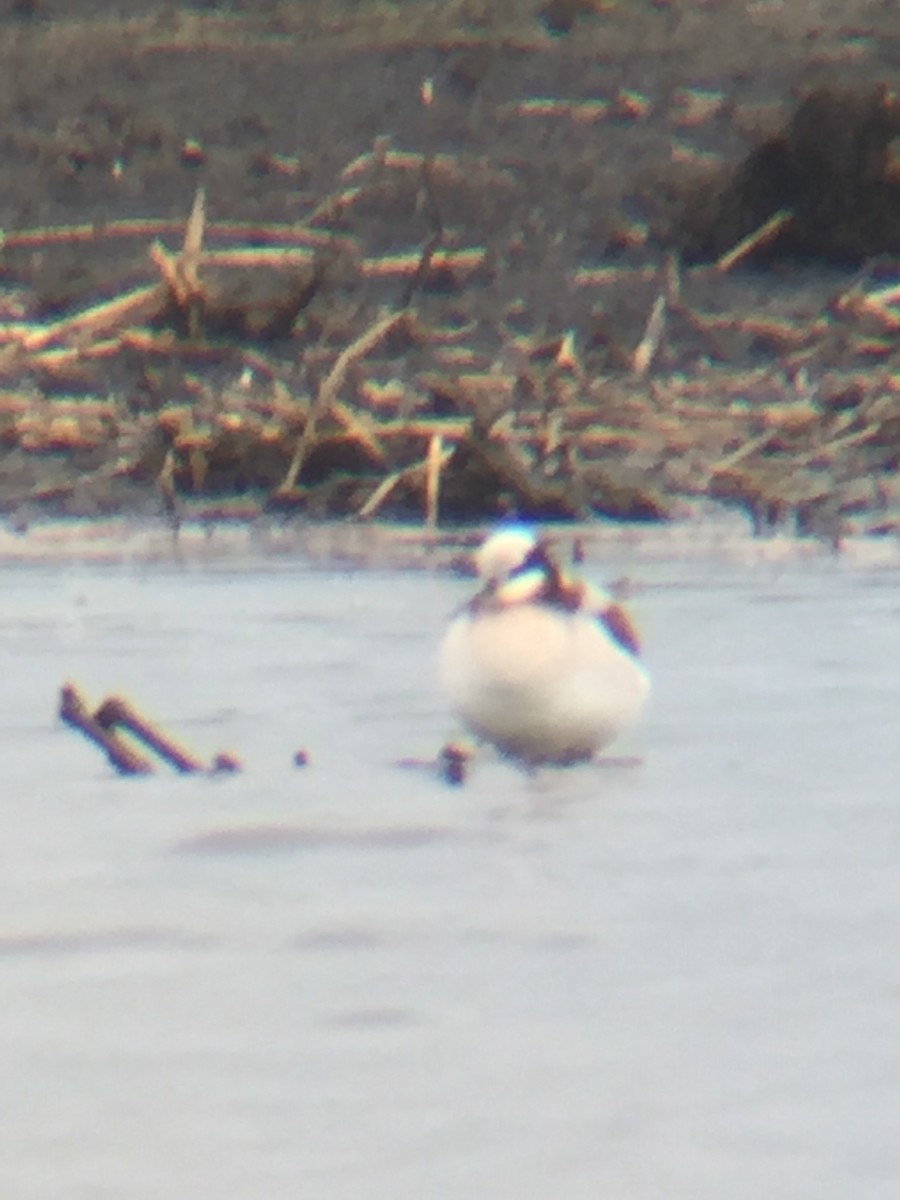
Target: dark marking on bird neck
column 620, row 627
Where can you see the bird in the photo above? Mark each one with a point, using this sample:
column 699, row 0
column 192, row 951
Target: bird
column 545, row 668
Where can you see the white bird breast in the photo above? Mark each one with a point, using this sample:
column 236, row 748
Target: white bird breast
column 539, row 682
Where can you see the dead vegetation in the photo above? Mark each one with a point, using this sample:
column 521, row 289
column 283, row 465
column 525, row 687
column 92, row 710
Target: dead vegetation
column 125, row 736
column 549, row 428
column 296, row 366
column 825, row 186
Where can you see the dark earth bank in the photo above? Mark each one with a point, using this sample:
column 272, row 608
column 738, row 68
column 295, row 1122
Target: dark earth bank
column 601, row 349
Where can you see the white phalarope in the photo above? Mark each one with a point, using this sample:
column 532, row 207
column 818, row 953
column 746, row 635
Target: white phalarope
column 545, row 668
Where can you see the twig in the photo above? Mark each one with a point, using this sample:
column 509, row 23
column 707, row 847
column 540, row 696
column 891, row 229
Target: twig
column 115, row 712
column 181, row 271
column 749, row 448
column 145, row 229
column 832, row 448
column 453, row 428
column 432, row 243
column 58, row 358
column 458, row 262
column 196, row 224
column 274, row 257
column 648, row 346
column 411, row 474
column 878, row 305
column 335, row 206
column 358, row 430
column 433, row 464
column 760, row 237
column 329, row 388
column 74, row 711
column 585, row 112
column 139, row 305
column 673, row 281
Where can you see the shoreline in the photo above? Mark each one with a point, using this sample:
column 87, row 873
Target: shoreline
column 269, row 543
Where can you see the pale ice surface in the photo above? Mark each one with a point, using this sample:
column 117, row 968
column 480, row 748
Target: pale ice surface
column 678, row 979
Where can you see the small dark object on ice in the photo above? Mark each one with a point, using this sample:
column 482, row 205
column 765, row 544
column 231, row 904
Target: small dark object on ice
column 452, row 762
column 226, row 763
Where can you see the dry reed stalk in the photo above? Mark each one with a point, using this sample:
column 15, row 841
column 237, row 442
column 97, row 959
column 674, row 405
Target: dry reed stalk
column 583, row 112
column 384, row 489
column 441, row 335
column 165, row 481
column 382, row 156
column 248, row 257
column 433, row 462
column 647, row 348
column 145, row 228
column 361, row 164
column 139, row 305
column 693, row 406
column 567, row 357
column 181, row 271
column 276, row 232
column 414, row 474
column 12, row 333
column 792, row 415
column 357, row 428
column 673, row 281
column 330, row 387
column 333, row 207
column 57, row 359
column 754, row 241
column 198, row 465
column 457, row 356
column 461, row 263
column 453, row 428
column 836, row 445
column 886, row 296
column 604, row 276
column 167, row 264
column 743, row 452
column 774, row 329
column 877, row 305
column 193, row 238
column 448, row 169
column 149, row 340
